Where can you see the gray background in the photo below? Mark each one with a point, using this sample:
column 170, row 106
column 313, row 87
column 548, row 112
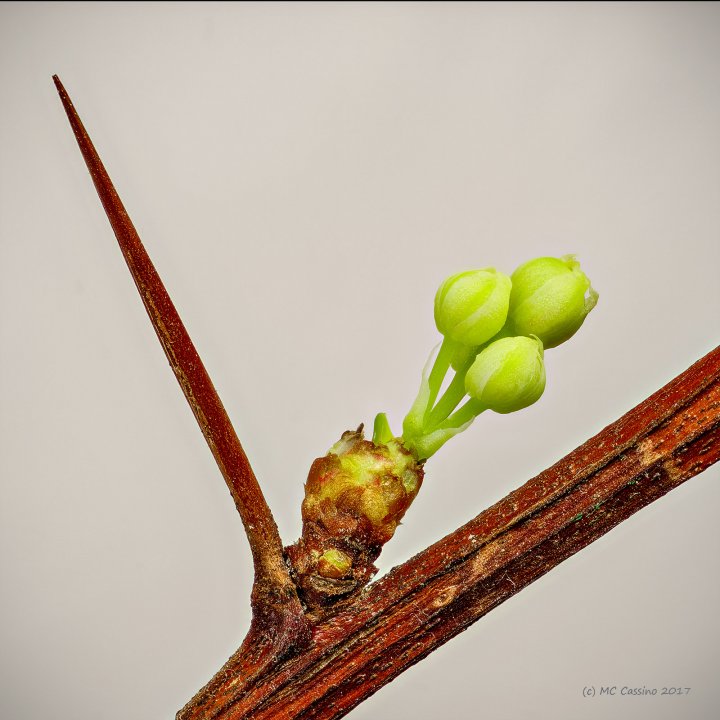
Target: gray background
column 304, row 176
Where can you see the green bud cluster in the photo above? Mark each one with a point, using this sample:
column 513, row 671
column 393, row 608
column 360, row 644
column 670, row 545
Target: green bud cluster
column 495, row 329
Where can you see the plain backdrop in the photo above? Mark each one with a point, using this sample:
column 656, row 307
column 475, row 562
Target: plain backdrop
column 304, row 176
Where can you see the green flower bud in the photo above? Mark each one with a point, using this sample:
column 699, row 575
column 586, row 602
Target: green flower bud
column 550, row 298
column 508, row 375
column 471, row 306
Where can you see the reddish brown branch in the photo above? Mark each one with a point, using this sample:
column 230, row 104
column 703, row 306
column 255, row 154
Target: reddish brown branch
column 420, row 605
column 277, row 608
column 429, row 599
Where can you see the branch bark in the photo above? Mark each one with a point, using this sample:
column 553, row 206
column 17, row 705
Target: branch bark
column 418, row 606
column 279, row 622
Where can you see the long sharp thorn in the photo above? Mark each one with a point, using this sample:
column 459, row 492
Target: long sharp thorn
column 190, row 372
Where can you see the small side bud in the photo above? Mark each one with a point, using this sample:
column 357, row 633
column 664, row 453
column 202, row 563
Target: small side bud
column 471, row 306
column 334, row 564
column 550, row 298
column 355, row 498
column 508, row 375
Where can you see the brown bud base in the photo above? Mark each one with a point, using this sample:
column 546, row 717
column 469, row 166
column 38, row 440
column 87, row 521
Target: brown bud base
column 355, row 497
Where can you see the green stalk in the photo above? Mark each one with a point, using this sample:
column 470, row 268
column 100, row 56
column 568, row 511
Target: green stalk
column 430, row 384
column 449, row 400
column 467, row 413
column 427, row 444
column 440, row 368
